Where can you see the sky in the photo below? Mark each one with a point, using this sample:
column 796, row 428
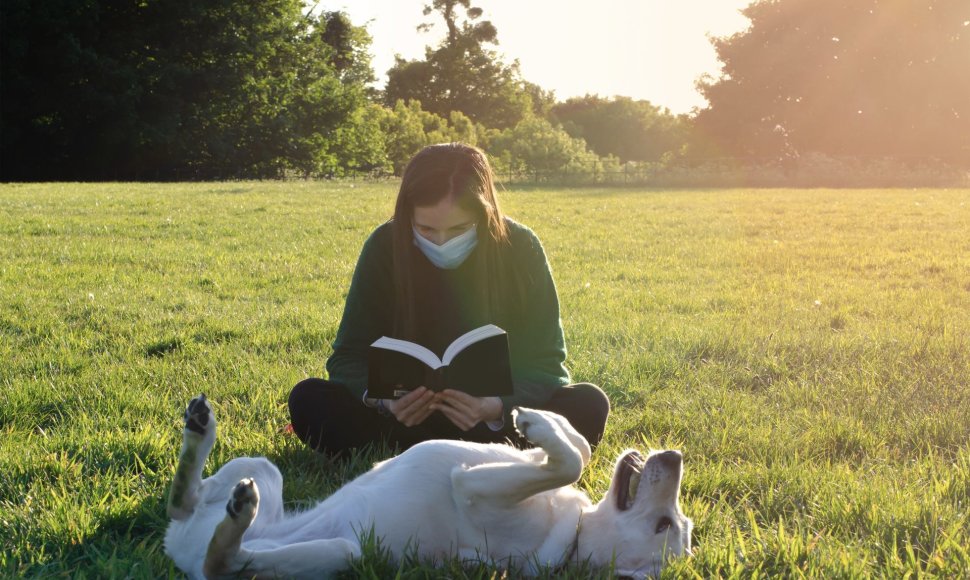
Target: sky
column 645, row 49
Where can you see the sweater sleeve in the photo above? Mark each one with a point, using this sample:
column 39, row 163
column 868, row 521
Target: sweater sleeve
column 539, row 350
column 367, row 314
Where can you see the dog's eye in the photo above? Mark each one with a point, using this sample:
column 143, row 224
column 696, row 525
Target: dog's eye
column 664, row 524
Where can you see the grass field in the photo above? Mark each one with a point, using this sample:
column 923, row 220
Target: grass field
column 809, row 351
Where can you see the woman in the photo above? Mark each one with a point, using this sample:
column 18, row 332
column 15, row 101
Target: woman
column 448, row 262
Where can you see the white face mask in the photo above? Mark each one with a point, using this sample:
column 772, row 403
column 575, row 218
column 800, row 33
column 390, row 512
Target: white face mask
column 450, row 254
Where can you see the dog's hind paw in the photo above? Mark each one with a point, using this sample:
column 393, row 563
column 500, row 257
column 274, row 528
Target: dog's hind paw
column 221, row 557
column 243, row 502
column 198, row 416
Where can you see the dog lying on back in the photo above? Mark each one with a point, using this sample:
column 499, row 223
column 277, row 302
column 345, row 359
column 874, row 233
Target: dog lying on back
column 514, row 508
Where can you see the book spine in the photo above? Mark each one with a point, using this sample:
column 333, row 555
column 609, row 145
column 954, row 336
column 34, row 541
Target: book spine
column 437, row 379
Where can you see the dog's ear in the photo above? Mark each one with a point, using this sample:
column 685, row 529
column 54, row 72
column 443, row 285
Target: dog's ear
column 626, row 480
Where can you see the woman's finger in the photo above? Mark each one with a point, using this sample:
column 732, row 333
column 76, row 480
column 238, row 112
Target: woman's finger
column 459, row 419
column 407, row 409
column 459, row 400
column 456, row 408
column 423, row 414
column 411, row 397
column 423, row 409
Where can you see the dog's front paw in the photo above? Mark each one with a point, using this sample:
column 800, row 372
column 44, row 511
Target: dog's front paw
column 243, row 502
column 533, row 425
column 199, row 418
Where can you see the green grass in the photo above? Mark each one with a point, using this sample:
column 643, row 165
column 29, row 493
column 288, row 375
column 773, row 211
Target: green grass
column 809, row 351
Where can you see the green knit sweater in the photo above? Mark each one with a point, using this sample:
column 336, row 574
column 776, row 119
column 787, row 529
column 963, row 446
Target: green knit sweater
column 447, row 308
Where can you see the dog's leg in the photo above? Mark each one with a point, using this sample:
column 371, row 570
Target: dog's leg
column 226, row 557
column 578, row 441
column 223, row 554
column 510, row 483
column 198, row 437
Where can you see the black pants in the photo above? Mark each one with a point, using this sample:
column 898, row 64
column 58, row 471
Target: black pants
column 329, row 419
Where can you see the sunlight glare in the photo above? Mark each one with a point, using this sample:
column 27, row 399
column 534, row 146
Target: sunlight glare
column 645, row 49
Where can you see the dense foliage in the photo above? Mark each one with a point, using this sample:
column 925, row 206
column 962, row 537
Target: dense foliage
column 166, row 90
column 461, row 74
column 844, row 77
column 408, row 128
column 629, row 129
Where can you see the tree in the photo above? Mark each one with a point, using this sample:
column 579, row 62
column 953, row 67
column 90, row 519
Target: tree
column 461, row 74
column 408, row 128
column 66, row 86
column 470, row 29
column 166, row 89
column 628, row 129
column 536, row 145
column 348, row 45
column 844, row 77
column 327, row 125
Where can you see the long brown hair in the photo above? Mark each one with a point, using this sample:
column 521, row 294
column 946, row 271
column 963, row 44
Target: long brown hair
column 462, row 172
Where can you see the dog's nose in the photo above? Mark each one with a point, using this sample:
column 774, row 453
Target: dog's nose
column 672, row 459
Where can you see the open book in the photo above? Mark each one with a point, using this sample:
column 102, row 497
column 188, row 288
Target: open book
column 476, row 363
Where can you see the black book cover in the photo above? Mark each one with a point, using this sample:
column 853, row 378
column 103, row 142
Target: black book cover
column 481, row 369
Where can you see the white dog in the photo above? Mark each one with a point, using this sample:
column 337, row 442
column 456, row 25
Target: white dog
column 516, row 509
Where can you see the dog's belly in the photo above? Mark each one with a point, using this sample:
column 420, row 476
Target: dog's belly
column 540, row 529
column 408, row 501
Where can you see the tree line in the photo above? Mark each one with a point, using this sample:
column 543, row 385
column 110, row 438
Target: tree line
column 168, row 90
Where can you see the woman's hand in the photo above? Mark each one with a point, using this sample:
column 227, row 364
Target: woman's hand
column 466, row 411
column 413, row 408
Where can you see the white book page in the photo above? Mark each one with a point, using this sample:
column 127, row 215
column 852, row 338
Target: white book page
column 470, row 337
column 416, row 350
